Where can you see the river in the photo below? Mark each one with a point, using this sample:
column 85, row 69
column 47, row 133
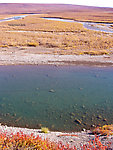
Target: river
column 13, row 18
column 64, row 98
column 103, row 27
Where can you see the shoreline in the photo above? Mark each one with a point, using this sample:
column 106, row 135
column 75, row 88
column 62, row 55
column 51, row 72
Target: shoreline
column 38, row 56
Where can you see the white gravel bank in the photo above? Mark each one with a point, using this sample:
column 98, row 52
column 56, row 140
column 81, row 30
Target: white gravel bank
column 13, row 56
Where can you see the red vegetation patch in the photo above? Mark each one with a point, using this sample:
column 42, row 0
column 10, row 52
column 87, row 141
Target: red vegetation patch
column 23, row 141
column 104, row 130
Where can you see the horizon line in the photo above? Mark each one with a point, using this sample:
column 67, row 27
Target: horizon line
column 55, row 4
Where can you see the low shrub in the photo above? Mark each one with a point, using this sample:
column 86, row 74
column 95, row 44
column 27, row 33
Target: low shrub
column 33, row 44
column 44, row 130
column 20, row 141
column 104, row 130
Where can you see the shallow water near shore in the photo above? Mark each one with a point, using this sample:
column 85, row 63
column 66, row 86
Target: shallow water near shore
column 64, row 98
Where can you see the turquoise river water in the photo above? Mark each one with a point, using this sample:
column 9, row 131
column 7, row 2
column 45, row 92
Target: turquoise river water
column 64, row 98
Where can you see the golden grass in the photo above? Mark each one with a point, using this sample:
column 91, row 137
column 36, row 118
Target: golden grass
column 33, row 44
column 44, row 130
column 5, row 16
column 68, row 38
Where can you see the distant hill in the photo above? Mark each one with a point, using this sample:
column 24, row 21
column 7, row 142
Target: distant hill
column 76, row 12
column 17, row 8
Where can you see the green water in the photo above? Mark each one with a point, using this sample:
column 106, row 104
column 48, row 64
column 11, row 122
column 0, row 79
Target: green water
column 61, row 98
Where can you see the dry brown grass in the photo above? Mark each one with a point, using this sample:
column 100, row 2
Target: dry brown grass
column 68, row 38
column 5, row 16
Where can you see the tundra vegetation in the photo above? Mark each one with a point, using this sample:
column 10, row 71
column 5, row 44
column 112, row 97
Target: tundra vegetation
column 64, row 37
column 24, row 141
